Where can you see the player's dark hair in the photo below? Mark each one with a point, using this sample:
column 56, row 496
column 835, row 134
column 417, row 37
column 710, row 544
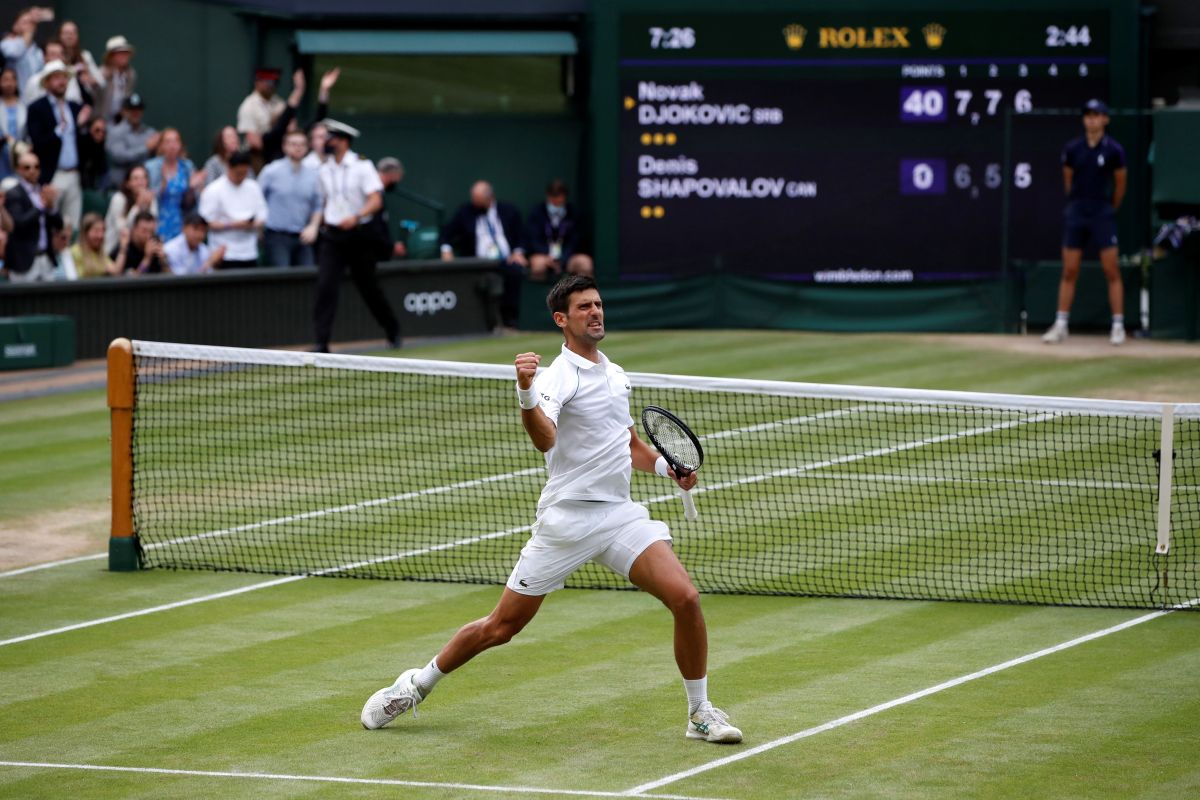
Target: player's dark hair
column 560, row 293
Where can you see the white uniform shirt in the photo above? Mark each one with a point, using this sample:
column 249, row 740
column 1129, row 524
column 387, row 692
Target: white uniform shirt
column 589, row 403
column 346, row 186
column 221, row 201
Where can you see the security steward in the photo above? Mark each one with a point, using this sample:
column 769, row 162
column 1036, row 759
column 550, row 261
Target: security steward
column 353, row 195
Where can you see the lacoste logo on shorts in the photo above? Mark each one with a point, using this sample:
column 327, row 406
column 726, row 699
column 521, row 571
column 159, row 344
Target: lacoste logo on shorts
column 523, row 583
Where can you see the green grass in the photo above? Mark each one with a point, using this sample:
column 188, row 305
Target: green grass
column 587, row 698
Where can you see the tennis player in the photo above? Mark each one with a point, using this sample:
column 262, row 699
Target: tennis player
column 577, row 413
column 1090, row 163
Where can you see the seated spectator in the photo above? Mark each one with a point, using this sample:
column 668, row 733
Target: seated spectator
column 391, row 172
column 552, row 235
column 293, row 197
column 139, row 250
column 21, row 52
column 487, row 228
column 225, row 144
column 189, row 253
column 34, row 88
column 35, row 221
column 55, row 126
column 119, row 79
column 260, row 109
column 236, row 211
column 134, row 198
column 80, row 60
column 60, row 255
column 88, row 253
column 129, row 143
column 93, row 168
column 175, row 181
column 12, row 121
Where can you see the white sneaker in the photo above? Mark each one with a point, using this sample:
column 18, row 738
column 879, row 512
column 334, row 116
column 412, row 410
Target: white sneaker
column 1118, row 334
column 712, row 725
column 1056, row 334
column 392, row 701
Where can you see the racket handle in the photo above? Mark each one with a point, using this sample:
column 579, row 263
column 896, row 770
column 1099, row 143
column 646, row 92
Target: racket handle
column 689, row 505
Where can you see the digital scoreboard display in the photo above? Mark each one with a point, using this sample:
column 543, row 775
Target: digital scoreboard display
column 848, row 147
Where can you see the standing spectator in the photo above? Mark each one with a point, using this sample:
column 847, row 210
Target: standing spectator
column 35, row 221
column 12, row 121
column 188, row 253
column 55, row 125
column 553, row 236
column 318, row 138
column 139, row 251
column 175, row 181
column 79, row 60
column 91, row 261
column 93, row 169
column 133, row 198
column 293, row 206
column 235, row 211
column 353, row 195
column 130, row 142
column 491, row 229
column 225, row 144
column 20, row 51
column 391, row 172
column 119, row 78
column 260, row 109
column 35, row 87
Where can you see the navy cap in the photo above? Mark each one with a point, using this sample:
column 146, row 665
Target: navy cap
column 1095, row 106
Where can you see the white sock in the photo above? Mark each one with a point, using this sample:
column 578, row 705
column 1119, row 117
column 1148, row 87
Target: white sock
column 1118, row 321
column 697, row 693
column 1062, row 316
column 427, row 678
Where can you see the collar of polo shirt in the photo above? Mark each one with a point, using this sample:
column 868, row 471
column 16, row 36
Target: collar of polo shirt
column 579, row 360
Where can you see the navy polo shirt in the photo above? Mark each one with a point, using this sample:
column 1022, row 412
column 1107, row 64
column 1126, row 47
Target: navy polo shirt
column 1091, row 181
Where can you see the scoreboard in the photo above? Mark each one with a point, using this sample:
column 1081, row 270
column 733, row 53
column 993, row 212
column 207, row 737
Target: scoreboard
column 848, row 147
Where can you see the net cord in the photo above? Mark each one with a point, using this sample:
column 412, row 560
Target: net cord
column 287, row 358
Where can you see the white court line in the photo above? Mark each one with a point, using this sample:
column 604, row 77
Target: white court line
column 49, row 564
column 270, row 776
column 510, row 531
column 641, row 790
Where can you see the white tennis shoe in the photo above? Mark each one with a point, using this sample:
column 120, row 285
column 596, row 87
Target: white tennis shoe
column 1117, row 336
column 712, row 725
column 1056, row 334
column 392, row 701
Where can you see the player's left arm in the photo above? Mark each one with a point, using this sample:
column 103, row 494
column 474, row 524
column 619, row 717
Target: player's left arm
column 1120, row 180
column 645, row 457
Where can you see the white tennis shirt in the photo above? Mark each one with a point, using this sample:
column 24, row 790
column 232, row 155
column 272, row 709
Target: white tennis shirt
column 589, row 403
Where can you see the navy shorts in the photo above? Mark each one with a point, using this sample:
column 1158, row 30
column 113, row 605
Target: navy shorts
column 1098, row 230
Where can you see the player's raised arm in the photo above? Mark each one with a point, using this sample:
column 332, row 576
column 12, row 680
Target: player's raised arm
column 541, row 430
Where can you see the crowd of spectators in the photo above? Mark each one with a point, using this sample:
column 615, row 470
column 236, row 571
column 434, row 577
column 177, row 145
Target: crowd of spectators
column 71, row 123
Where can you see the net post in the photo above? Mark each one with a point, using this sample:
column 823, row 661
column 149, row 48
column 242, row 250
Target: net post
column 1165, row 469
column 123, row 550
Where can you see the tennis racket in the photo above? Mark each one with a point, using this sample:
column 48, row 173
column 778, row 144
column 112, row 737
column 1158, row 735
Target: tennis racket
column 677, row 444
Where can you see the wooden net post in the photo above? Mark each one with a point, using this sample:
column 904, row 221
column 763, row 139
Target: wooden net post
column 124, row 554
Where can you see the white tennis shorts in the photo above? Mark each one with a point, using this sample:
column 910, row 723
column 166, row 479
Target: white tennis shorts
column 571, row 533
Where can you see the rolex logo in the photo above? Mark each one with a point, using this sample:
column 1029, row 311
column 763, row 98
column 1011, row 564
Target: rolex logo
column 794, row 36
column 934, row 35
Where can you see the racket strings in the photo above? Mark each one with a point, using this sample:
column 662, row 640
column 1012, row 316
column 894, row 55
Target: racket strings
column 672, row 440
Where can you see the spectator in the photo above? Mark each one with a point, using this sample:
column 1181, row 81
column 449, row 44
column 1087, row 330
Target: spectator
column 60, row 256
column 91, row 261
column 55, row 128
column 35, row 220
column 134, row 198
column 352, row 194
column 12, row 121
column 391, row 172
column 318, row 137
column 235, row 211
column 119, row 79
column 487, row 228
column 21, row 52
column 188, row 253
column 139, row 251
column 93, row 169
column 79, row 60
column 35, row 86
column 260, row 109
column 552, row 234
column 130, row 142
column 293, row 206
column 225, row 144
column 175, row 181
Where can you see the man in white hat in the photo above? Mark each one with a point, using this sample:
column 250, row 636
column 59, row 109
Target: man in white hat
column 120, row 78
column 35, row 87
column 55, row 126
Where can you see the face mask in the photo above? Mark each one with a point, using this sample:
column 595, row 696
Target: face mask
column 330, row 150
column 556, row 212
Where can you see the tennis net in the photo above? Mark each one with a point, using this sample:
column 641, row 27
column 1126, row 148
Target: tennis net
column 297, row 463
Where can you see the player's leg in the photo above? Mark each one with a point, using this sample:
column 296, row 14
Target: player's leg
column 1116, row 293
column 1072, row 258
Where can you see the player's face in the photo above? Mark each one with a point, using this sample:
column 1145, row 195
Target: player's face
column 584, row 319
